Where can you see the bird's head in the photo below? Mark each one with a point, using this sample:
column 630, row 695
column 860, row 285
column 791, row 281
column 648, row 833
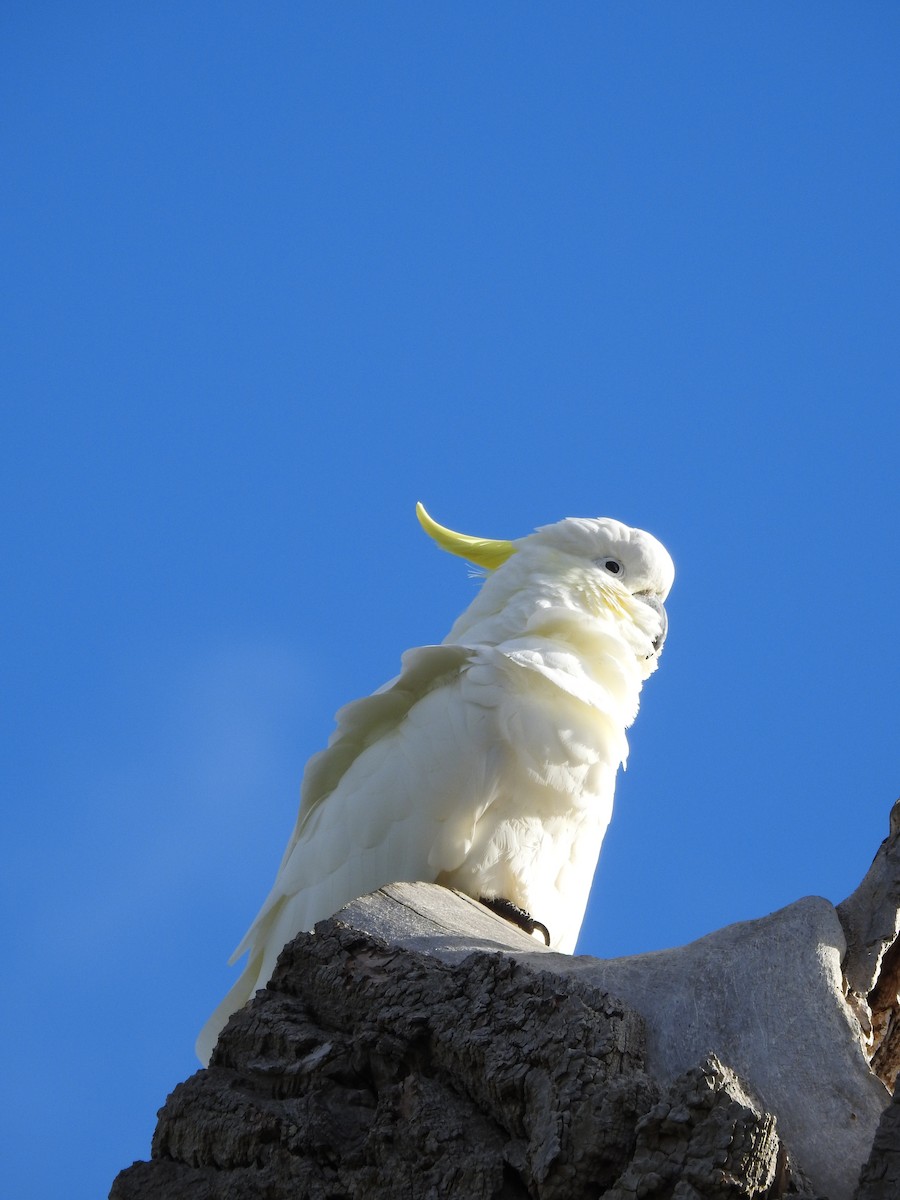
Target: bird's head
column 608, row 565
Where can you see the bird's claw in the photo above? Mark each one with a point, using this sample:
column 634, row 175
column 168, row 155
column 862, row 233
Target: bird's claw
column 515, row 914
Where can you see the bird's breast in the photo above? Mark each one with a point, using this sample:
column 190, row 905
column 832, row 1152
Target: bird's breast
column 557, row 749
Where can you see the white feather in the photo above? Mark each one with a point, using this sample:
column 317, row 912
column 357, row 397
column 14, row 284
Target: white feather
column 488, row 764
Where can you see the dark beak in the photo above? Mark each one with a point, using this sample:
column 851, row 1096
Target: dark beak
column 657, row 605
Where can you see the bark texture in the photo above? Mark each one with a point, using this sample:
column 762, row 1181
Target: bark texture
column 368, row 1070
column 419, row 1047
column 871, row 966
column 880, row 1178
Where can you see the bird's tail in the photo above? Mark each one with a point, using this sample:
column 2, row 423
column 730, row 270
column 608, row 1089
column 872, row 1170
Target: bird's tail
column 243, row 988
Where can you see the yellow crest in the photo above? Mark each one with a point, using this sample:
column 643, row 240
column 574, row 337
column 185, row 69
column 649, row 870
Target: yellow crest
column 483, row 552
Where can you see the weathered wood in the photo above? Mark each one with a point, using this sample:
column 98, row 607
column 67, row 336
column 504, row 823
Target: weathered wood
column 417, row 1045
column 880, row 1179
column 373, row 1071
column 765, row 996
column 871, row 921
column 871, row 914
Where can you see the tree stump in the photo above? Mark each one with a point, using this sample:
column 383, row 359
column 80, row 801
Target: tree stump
column 417, row 1045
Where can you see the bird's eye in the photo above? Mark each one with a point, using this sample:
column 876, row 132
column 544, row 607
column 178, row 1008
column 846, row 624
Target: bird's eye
column 612, row 565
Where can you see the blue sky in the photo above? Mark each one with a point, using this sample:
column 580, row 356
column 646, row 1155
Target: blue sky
column 276, row 272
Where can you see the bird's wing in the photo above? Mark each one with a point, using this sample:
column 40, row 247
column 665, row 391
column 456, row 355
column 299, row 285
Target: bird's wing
column 369, row 727
column 411, row 769
column 395, row 796
column 363, row 722
column 398, row 793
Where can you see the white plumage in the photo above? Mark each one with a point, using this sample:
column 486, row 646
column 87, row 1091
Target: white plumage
column 489, row 763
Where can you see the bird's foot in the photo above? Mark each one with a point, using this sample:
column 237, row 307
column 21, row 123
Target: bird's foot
column 518, row 916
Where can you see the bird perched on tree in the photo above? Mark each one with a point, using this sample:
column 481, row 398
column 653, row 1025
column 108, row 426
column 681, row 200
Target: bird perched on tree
column 489, row 763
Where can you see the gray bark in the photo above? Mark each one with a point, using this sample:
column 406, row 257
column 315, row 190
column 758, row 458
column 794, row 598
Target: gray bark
column 880, row 1179
column 419, row 1046
column 871, row 919
column 369, row 1070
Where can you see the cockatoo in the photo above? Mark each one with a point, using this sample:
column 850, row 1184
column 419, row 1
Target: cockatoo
column 489, row 763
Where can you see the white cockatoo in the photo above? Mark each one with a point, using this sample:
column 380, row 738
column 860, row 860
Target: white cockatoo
column 489, row 763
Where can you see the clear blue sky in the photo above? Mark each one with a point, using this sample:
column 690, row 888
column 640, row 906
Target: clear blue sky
column 275, row 272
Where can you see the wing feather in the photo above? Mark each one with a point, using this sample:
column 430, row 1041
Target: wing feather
column 363, row 722
column 368, row 773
